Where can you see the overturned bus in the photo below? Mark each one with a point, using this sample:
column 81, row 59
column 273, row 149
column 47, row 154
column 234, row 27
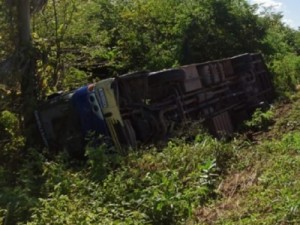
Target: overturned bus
column 144, row 107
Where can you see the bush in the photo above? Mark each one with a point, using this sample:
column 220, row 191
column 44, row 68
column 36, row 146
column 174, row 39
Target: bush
column 286, row 70
column 260, row 120
column 98, row 161
column 11, row 139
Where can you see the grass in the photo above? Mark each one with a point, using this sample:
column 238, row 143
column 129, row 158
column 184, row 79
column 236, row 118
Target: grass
column 262, row 186
column 147, row 188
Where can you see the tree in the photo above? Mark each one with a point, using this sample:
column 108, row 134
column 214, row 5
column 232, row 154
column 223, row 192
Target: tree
column 23, row 60
column 58, row 33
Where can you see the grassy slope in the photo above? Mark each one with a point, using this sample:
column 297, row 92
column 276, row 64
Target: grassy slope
column 260, row 176
column 263, row 184
column 254, row 179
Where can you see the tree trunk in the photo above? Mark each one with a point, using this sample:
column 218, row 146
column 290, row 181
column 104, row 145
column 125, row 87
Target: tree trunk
column 27, row 69
column 23, row 8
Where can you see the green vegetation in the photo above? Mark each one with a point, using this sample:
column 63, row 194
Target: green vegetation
column 260, row 120
column 262, row 185
column 147, row 188
column 252, row 179
column 203, row 181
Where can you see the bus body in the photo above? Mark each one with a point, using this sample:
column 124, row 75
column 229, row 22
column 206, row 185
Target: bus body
column 144, row 107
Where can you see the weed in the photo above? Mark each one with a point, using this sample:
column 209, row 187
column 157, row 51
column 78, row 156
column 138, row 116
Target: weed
column 260, row 120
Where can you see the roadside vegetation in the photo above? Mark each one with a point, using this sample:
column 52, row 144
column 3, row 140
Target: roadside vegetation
column 192, row 179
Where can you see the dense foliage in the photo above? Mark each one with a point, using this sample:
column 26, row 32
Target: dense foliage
column 80, row 40
column 76, row 42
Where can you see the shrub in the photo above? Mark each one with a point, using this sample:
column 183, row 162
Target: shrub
column 286, row 70
column 98, row 161
column 11, row 138
column 260, row 120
